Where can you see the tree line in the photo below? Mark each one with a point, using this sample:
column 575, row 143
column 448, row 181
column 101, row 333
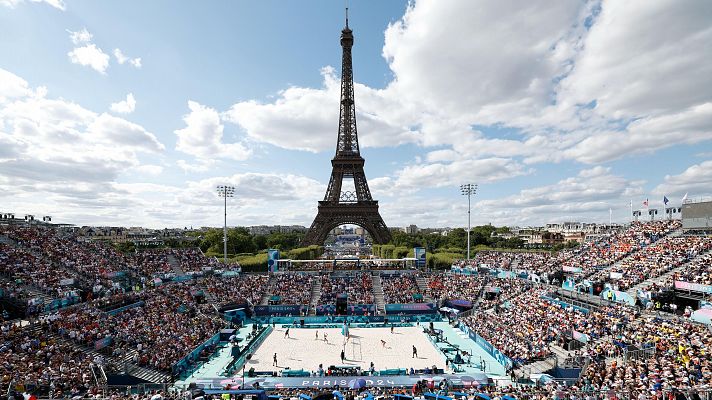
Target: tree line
column 250, row 250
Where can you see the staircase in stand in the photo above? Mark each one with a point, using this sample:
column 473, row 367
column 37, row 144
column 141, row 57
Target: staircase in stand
column 175, row 264
column 561, row 353
column 423, row 288
column 268, row 291
column 539, row 367
column 148, row 374
column 315, row 294
column 378, row 295
column 514, row 264
column 481, row 293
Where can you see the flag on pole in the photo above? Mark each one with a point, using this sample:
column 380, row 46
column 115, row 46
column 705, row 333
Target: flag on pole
column 684, row 198
column 665, row 200
column 645, row 203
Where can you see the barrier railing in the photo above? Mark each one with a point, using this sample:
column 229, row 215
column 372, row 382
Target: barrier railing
column 530, row 393
column 184, row 365
column 638, row 354
column 240, row 361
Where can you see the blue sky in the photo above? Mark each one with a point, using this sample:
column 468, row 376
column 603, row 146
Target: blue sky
column 128, row 113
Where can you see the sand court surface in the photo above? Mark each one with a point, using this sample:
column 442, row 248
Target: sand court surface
column 303, row 351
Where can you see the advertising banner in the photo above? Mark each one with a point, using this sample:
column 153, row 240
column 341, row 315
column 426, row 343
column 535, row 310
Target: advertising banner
column 575, row 270
column 329, row 382
column 412, row 308
column 272, row 257
column 280, row 310
column 420, row 260
column 351, row 309
column 695, row 287
column 459, row 304
column 581, row 337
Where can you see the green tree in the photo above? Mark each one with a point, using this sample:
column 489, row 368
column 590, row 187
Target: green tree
column 457, row 238
column 240, row 241
column 260, row 242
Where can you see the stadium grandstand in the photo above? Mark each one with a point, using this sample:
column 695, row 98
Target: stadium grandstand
column 625, row 316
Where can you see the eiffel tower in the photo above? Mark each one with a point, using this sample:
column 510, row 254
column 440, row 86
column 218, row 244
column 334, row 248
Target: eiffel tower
column 355, row 207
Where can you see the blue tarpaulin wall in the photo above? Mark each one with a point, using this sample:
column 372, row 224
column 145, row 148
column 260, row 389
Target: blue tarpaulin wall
column 487, row 346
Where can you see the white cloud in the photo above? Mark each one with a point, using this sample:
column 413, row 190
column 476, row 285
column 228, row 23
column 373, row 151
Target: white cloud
column 695, row 180
column 456, row 172
column 113, row 130
column 90, row 56
column 149, row 169
column 647, row 135
column 203, row 136
column 80, row 37
column 307, row 119
column 58, row 4
column 124, row 106
column 461, row 58
column 587, row 196
column 121, row 58
column 485, row 96
column 62, row 159
column 53, row 140
column 12, row 86
column 644, row 58
column 199, row 166
column 572, row 82
column 413, row 178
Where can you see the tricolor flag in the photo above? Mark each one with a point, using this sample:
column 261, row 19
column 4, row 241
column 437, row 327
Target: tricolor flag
column 665, row 200
column 645, row 203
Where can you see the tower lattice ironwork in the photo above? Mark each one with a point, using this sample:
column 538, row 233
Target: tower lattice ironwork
column 345, row 206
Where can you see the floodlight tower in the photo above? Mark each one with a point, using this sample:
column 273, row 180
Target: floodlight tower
column 468, row 190
column 225, row 192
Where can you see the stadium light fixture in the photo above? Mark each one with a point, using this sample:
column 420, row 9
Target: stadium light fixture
column 225, row 192
column 468, row 190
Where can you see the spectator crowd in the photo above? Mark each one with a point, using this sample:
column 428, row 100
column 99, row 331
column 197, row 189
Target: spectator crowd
column 358, row 288
column 401, row 288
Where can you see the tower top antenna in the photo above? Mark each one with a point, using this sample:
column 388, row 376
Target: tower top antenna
column 347, row 14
